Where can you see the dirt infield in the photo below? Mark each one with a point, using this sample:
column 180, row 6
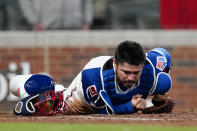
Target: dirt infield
column 181, row 118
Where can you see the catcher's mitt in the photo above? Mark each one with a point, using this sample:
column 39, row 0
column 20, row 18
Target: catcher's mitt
column 162, row 104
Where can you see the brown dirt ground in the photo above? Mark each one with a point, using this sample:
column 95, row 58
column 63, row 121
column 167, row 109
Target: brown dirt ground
column 178, row 117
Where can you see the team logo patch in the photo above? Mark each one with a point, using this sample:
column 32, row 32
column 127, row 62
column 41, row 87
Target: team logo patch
column 94, row 97
column 92, row 90
column 161, row 63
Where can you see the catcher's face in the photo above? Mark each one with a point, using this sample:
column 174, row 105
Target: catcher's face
column 127, row 74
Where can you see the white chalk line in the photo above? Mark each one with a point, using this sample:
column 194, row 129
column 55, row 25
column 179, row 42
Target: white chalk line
column 134, row 119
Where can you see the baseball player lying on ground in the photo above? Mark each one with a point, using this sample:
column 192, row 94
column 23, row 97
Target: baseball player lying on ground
column 106, row 85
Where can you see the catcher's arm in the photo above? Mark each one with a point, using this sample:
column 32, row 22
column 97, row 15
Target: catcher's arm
column 161, row 104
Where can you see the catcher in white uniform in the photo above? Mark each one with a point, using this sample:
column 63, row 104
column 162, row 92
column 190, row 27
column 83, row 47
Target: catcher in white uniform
column 106, row 85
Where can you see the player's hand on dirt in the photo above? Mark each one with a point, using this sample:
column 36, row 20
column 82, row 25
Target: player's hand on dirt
column 138, row 102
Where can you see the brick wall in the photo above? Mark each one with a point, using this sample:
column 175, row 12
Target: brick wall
column 184, row 75
column 64, row 63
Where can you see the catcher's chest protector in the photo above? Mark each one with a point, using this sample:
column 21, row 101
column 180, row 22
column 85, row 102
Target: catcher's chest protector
column 96, row 79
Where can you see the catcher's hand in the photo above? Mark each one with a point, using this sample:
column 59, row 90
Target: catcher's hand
column 162, row 104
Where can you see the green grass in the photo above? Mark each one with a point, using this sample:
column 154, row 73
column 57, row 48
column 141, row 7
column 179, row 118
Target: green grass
column 89, row 127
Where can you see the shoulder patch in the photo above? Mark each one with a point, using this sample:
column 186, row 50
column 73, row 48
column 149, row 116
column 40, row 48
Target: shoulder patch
column 161, row 63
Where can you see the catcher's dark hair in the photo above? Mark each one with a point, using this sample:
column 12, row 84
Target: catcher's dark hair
column 130, row 52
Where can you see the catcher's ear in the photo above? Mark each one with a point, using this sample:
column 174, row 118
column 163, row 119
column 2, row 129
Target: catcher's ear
column 163, row 83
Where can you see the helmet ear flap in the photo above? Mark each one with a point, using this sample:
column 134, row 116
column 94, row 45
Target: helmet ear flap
column 25, row 106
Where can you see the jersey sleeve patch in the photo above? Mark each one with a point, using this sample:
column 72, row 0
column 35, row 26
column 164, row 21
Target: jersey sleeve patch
column 161, row 63
column 94, row 97
column 92, row 91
